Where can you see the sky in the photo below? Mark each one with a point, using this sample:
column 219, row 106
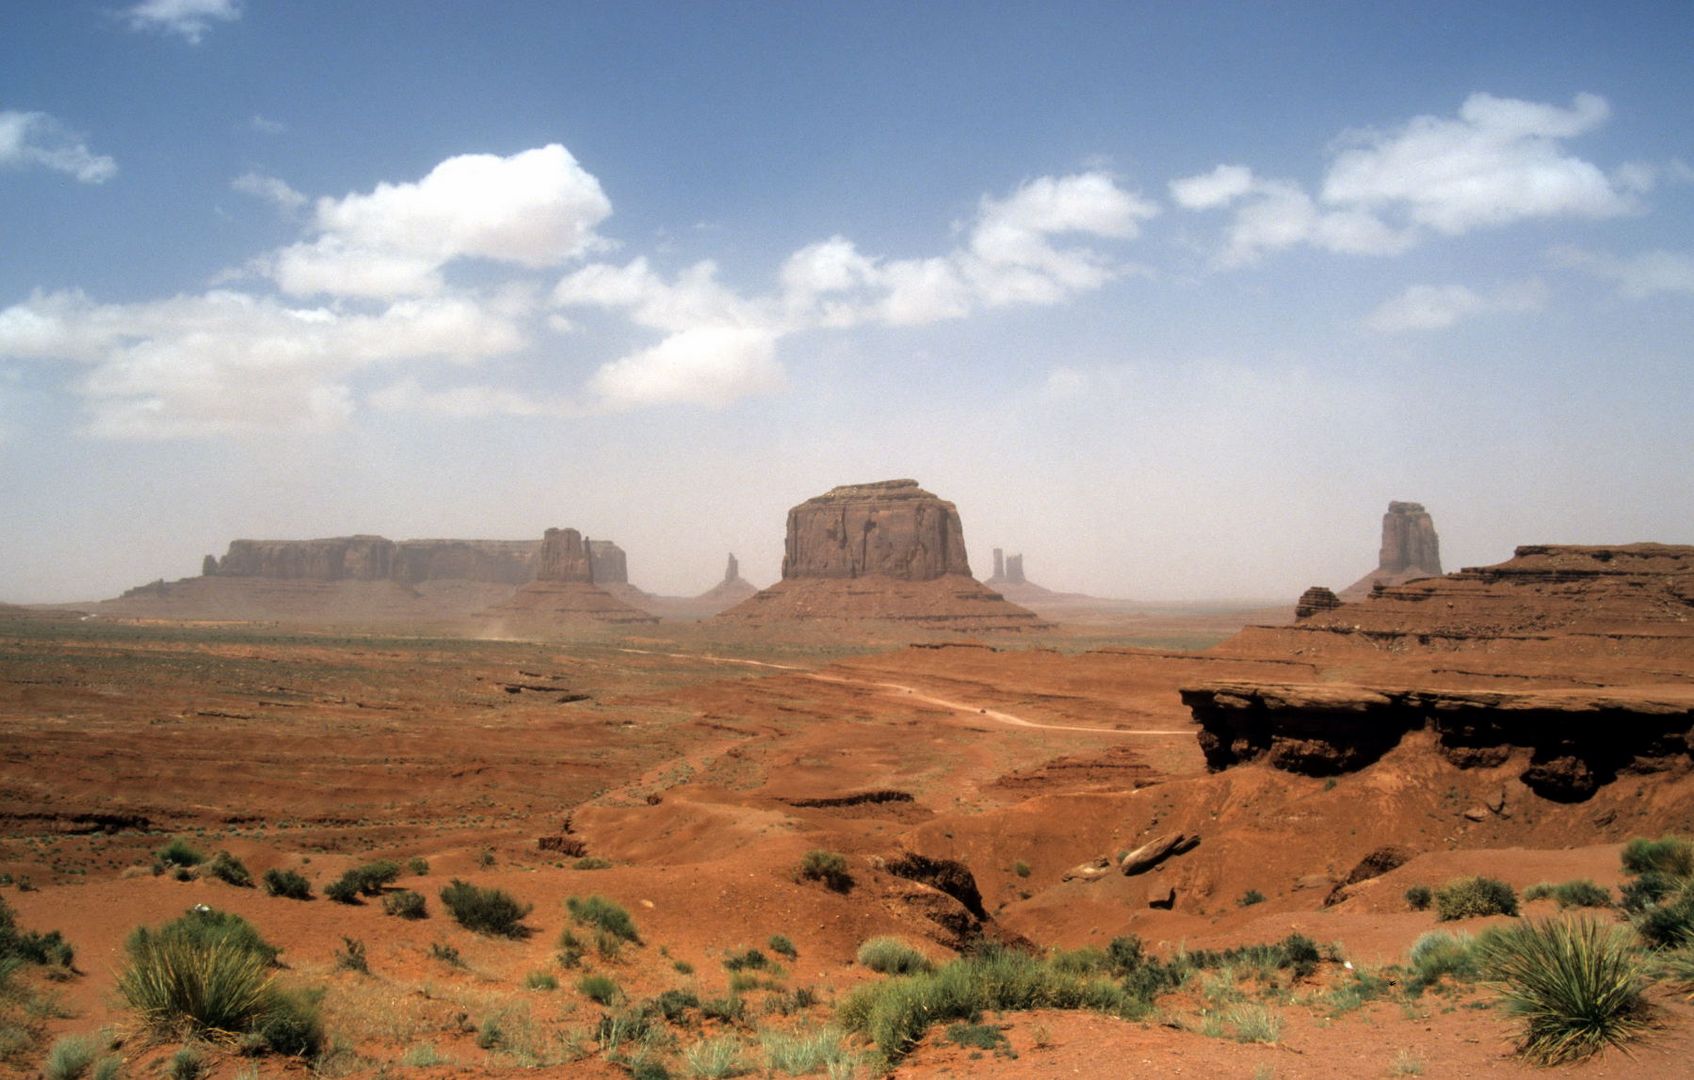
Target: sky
column 1171, row 298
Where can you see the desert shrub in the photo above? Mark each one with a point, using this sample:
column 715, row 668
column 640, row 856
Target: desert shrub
column 373, row 877
column 711, row 1059
column 447, row 954
column 405, row 904
column 1575, row 984
column 179, row 852
column 802, row 1053
column 891, row 956
column 30, row 946
column 1642, row 892
column 1672, row 856
column 729, row 1010
column 210, row 972
column 186, row 1064
column 600, row 988
column 287, row 883
column 1469, row 897
column 789, row 1002
column 1250, row 897
column 343, row 890
column 1419, row 897
column 601, row 913
column 486, row 911
column 780, row 945
column 607, row 944
column 1021, row 868
column 540, row 980
column 1254, row 1023
column 747, row 959
column 1296, row 953
column 591, row 862
column 1670, row 923
column 227, row 868
column 1569, row 894
column 571, row 949
column 351, row 956
column 418, row 865
column 674, row 1004
column 828, row 867
column 1439, row 953
column 71, row 1057
column 894, row 1013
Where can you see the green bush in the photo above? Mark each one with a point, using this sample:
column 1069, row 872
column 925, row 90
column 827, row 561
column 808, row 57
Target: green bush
column 418, row 865
column 1660, row 895
column 1669, row 924
column 1419, row 897
column 599, row 988
column 1469, row 897
column 486, row 911
column 1250, row 897
column 603, row 914
column 780, row 945
column 1439, row 953
column 894, row 1013
column 179, row 852
column 1575, row 984
column 343, row 890
column 1672, row 856
column 674, row 1004
column 591, row 862
column 204, row 926
column 571, row 949
column 891, row 956
column 287, row 883
column 367, row 880
column 20, row 946
column 828, row 867
column 405, row 904
column 540, row 980
column 1569, row 894
column 186, row 1064
column 227, row 868
column 749, row 959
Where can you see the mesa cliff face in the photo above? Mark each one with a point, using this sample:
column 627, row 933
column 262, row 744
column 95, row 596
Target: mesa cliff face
column 375, row 558
column 887, row 551
column 891, row 529
column 564, row 594
column 1568, row 664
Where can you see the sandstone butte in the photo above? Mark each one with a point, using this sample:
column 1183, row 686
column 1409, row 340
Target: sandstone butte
column 1410, row 550
column 887, row 551
column 1558, row 664
column 564, row 592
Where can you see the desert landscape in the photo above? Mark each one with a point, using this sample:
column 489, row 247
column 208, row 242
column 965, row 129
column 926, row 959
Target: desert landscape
column 498, row 809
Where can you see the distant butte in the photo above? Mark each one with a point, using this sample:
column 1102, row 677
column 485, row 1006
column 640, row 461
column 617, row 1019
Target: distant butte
column 881, row 551
column 564, row 593
column 1410, row 550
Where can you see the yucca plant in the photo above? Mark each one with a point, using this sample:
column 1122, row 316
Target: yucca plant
column 180, row 984
column 1575, row 983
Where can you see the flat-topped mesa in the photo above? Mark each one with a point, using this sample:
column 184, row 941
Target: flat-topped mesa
column 564, row 593
column 883, row 552
column 892, row 529
column 1410, row 549
column 502, row 562
column 375, row 558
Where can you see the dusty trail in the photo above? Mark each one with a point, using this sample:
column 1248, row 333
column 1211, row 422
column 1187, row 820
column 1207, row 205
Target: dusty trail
column 992, row 714
column 715, row 659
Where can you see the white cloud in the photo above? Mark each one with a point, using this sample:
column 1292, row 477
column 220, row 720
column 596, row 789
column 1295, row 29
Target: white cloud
column 225, row 362
column 274, row 191
column 1498, row 162
column 1437, row 307
column 696, row 298
column 264, row 125
column 533, row 209
column 704, row 365
column 190, row 19
column 33, row 138
column 1637, row 276
column 468, row 402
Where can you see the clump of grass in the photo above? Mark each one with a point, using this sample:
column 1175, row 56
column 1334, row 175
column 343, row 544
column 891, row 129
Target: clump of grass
column 446, row 953
column 674, row 1004
column 891, row 956
column 1021, row 868
column 894, row 1013
column 540, row 980
column 186, row 1064
column 405, row 904
column 714, row 1058
column 803, row 1053
column 1470, row 897
column 71, row 1057
column 1576, row 985
column 599, row 988
column 418, row 865
column 1437, row 954
column 747, row 959
column 179, row 852
column 591, row 862
column 1672, row 856
column 1254, row 1024
column 1250, row 897
column 603, row 914
column 486, row 911
column 287, row 883
column 1659, row 896
column 1569, row 894
column 227, row 868
column 730, row 1009
column 829, row 867
column 1419, row 897
column 351, row 956
column 571, row 949
column 783, row 947
column 19, row 946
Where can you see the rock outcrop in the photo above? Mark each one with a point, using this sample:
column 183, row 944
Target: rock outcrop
column 1568, row 664
column 375, row 558
column 887, row 551
column 608, row 563
column 563, row 594
column 1313, row 600
column 1410, row 550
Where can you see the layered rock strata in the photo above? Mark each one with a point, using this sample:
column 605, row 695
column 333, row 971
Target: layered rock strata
column 883, row 551
column 563, row 593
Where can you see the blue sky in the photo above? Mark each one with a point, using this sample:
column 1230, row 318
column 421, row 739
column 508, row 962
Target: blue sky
column 1173, row 298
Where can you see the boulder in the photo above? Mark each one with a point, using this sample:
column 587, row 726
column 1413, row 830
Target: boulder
column 1156, row 851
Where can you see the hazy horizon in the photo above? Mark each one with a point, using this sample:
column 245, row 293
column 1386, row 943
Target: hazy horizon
column 1171, row 299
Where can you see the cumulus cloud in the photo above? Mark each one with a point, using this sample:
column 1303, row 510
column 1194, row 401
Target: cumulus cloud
column 704, row 365
column 1637, row 277
column 226, row 362
column 269, row 188
column 33, row 138
column 189, row 19
column 1500, row 161
column 1437, row 307
column 534, row 209
column 469, row 402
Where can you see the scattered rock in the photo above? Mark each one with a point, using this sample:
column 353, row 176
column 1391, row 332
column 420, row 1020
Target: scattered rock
column 1092, row 870
column 1156, row 851
column 1476, row 813
column 1315, row 599
column 1161, row 896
